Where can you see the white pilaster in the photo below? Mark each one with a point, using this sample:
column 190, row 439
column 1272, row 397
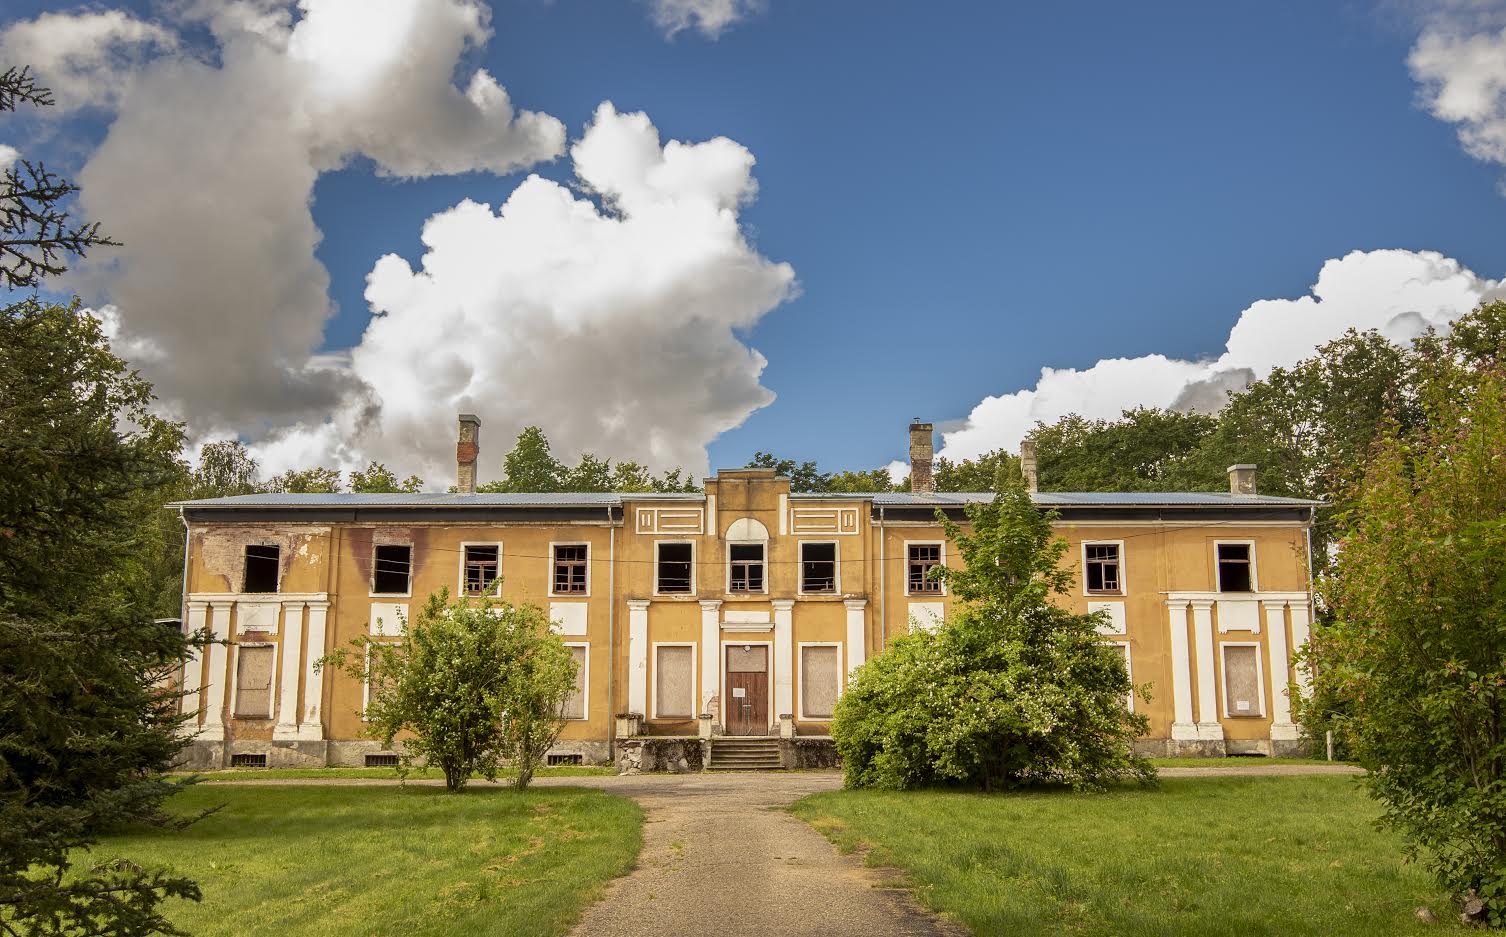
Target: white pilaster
column 311, row 724
column 711, row 642
column 784, row 659
column 857, row 634
column 1181, row 672
column 1279, row 667
column 1299, row 639
column 214, row 681
column 638, row 656
column 291, row 651
column 193, row 669
column 1208, row 726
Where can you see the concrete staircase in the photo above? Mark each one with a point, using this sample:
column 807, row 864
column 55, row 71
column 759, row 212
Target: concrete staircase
column 736, row 753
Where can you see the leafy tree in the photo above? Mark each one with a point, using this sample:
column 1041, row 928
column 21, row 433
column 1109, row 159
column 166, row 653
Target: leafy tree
column 376, row 478
column 531, row 467
column 305, row 481
column 1012, row 690
column 475, row 683
column 1412, row 669
column 803, row 476
column 1145, row 450
column 974, row 474
column 225, row 469
column 859, row 482
column 35, row 231
column 86, row 728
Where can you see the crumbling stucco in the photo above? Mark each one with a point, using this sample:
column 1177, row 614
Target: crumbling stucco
column 221, row 552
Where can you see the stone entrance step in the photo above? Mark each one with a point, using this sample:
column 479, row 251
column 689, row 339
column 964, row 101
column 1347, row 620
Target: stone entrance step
column 732, row 753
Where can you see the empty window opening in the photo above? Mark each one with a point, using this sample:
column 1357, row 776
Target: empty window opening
column 392, row 570
column 820, row 678
column 253, row 681
column 1242, row 690
column 674, row 567
column 1103, row 568
column 248, row 761
column 556, row 761
column 481, row 567
column 818, row 567
column 570, row 569
column 674, row 682
column 575, row 704
column 747, row 567
column 261, row 568
column 382, row 761
column 922, row 557
column 1234, row 568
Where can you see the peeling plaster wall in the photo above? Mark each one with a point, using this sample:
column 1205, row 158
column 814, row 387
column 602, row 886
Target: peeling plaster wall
column 220, row 556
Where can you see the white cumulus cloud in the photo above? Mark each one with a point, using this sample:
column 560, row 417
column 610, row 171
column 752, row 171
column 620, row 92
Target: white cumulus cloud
column 1399, row 292
column 1463, row 78
column 8, row 156
column 86, row 59
column 612, row 325
column 709, row 17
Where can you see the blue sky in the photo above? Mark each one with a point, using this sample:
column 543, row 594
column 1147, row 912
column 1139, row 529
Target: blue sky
column 970, row 192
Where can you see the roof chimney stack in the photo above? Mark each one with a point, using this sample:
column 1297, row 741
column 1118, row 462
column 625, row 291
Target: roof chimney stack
column 1242, row 479
column 1027, row 464
column 466, row 450
column 921, row 450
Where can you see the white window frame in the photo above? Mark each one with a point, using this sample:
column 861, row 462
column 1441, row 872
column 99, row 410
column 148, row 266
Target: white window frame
column 1223, row 679
column 800, row 675
column 235, row 679
column 836, row 571
column 585, row 691
column 749, row 543
column 695, row 679
column 366, row 683
column 1083, row 553
column 1218, row 585
column 590, row 555
column 657, row 591
column 1129, row 668
column 923, row 543
column 372, row 593
column 460, row 583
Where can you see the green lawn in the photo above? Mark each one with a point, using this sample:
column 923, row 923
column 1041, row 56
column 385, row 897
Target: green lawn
column 386, row 774
column 1236, row 762
column 313, row 860
column 1193, row 858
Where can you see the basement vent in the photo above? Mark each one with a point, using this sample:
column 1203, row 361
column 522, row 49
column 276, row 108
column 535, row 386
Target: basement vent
column 381, row 761
column 555, row 761
column 248, row 761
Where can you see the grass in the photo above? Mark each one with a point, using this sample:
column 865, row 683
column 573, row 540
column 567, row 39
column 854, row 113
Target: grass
column 1205, row 857
column 1236, row 762
column 386, row 774
column 311, row 860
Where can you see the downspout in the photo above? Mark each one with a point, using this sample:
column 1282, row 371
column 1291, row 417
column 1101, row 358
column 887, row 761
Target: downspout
column 183, row 611
column 883, row 585
column 611, row 635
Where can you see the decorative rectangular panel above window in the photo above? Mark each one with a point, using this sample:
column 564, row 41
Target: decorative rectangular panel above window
column 820, row 679
column 920, row 559
column 261, row 568
column 746, row 567
column 253, row 680
column 483, row 563
column 392, row 569
column 818, row 567
column 673, row 567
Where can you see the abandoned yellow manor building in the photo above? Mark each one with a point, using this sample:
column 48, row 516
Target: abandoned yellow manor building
column 719, row 628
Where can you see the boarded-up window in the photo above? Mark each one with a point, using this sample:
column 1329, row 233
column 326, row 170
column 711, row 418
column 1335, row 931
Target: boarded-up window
column 1123, row 651
column 482, row 563
column 1242, row 679
column 253, row 681
column 820, row 678
column 1234, row 568
column 393, row 566
column 575, row 706
column 261, row 568
column 674, row 687
column 752, row 658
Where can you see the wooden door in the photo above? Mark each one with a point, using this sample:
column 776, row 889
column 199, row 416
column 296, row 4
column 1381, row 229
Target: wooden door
column 747, row 699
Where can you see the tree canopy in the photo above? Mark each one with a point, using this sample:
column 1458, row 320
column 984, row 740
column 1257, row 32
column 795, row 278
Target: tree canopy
column 530, row 466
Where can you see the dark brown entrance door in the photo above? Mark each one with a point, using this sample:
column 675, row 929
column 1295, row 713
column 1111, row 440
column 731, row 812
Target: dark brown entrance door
column 747, row 699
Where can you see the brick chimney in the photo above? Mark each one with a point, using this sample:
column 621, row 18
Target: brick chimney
column 466, row 450
column 921, row 450
column 1027, row 464
column 1242, row 479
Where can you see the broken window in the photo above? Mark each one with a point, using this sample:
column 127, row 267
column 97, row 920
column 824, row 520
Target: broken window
column 674, row 681
column 674, row 567
column 820, row 678
column 570, row 568
column 482, row 564
column 747, row 567
column 818, row 567
column 253, row 681
column 261, row 568
column 1242, row 690
column 1234, row 568
column 921, row 557
column 392, row 569
column 1103, row 567
column 575, row 705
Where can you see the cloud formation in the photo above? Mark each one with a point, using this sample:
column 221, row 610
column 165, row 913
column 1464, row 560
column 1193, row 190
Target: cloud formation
column 608, row 317
column 708, row 17
column 1463, row 79
column 85, row 58
column 1399, row 292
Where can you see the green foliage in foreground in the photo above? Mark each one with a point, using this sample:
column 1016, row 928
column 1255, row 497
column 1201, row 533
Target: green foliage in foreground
column 320, row 861
column 1011, row 690
column 1214, row 857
